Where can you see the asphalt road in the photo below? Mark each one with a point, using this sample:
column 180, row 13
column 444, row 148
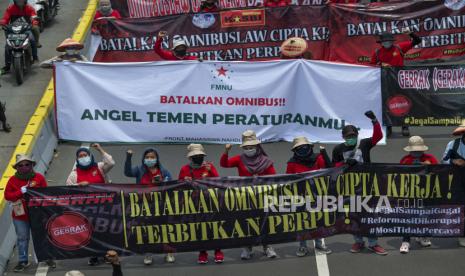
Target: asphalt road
column 444, row 257
column 22, row 100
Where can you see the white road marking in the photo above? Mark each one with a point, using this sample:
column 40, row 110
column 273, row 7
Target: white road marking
column 321, row 262
column 42, row 269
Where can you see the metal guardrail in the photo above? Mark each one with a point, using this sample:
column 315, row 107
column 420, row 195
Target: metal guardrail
column 39, row 140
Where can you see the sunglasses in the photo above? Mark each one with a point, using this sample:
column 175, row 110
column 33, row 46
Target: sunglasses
column 24, row 165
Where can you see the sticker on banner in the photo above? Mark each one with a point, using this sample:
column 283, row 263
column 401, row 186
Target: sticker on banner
column 203, row 20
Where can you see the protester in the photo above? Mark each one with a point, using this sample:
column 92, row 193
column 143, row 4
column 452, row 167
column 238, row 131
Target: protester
column 209, row 6
column 150, row 172
column 6, row 127
column 305, row 160
column 295, row 47
column 25, row 178
column 390, row 54
column 71, row 49
column 196, row 169
column 18, row 9
column 178, row 52
column 455, row 154
column 115, row 262
column 252, row 162
column 105, row 10
column 351, row 152
column 417, row 156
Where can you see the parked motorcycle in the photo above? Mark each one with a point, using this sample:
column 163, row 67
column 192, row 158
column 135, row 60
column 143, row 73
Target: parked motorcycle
column 19, row 47
column 46, row 10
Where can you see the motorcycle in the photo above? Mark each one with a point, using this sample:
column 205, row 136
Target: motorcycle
column 19, row 47
column 46, row 10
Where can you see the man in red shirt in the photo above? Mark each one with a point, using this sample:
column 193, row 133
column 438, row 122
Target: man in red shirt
column 198, row 168
column 390, row 54
column 18, row 9
column 25, row 178
column 417, row 156
column 178, row 52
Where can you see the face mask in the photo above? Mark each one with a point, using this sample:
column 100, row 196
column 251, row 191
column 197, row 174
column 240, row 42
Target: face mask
column 20, row 3
column 106, row 10
column 24, row 169
column 180, row 53
column 150, row 162
column 351, row 141
column 250, row 152
column 303, row 150
column 197, row 160
column 416, row 154
column 84, row 161
column 387, row 44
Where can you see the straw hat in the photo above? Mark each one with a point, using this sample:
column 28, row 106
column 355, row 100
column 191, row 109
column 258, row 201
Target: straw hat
column 299, row 141
column 195, row 149
column 416, row 143
column 249, row 138
column 23, row 157
column 74, row 273
column 294, row 47
column 69, row 43
column 460, row 130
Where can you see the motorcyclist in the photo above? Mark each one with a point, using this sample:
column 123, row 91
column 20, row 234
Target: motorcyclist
column 18, row 9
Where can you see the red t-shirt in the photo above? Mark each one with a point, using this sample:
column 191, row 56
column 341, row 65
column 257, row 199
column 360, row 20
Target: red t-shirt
column 392, row 56
column 300, row 168
column 114, row 14
column 236, row 162
column 92, row 175
column 13, row 190
column 148, row 177
column 13, row 12
column 187, row 171
column 409, row 159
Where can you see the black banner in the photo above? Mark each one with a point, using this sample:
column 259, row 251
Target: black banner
column 424, row 96
column 371, row 200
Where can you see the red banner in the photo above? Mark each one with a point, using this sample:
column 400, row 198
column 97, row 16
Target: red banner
column 250, row 34
column 342, row 33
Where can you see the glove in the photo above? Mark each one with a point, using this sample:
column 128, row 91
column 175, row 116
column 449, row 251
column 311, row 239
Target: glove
column 351, row 162
column 23, row 189
column 370, row 115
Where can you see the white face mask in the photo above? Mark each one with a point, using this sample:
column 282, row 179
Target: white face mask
column 387, row 44
column 85, row 161
column 250, row 152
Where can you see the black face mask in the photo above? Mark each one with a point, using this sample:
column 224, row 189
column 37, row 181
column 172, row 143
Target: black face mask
column 304, row 150
column 208, row 4
column 197, row 159
column 180, row 53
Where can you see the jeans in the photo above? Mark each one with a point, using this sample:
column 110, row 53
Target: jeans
column 8, row 56
column 318, row 243
column 371, row 241
column 23, row 231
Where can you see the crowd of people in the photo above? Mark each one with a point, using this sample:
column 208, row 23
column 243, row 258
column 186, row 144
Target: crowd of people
column 253, row 161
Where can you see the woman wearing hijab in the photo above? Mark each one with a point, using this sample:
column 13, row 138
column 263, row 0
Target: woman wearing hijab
column 86, row 171
column 252, row 162
column 25, row 178
column 198, row 168
column 105, row 10
column 150, row 172
column 305, row 160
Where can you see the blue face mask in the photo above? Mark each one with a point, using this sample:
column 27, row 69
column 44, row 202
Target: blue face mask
column 84, row 161
column 150, row 162
column 351, row 141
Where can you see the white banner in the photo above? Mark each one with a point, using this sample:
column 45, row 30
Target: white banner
column 213, row 102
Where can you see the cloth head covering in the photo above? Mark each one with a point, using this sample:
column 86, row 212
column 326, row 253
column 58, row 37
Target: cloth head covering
column 460, row 130
column 385, row 37
column 92, row 160
column 105, row 11
column 257, row 163
column 195, row 149
column 23, row 157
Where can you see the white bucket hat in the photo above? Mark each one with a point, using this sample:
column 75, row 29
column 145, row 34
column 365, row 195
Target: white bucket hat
column 74, row 273
column 416, row 143
column 299, row 141
column 178, row 41
column 249, row 138
column 23, row 157
column 195, row 149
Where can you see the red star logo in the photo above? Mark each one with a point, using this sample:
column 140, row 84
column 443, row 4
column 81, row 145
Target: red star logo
column 222, row 71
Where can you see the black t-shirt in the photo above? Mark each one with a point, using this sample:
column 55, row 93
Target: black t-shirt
column 365, row 146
